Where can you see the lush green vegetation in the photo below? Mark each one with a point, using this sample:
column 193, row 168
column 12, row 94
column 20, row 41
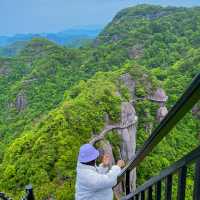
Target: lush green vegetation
column 53, row 98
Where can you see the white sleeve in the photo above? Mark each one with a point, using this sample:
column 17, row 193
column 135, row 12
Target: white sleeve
column 96, row 181
column 102, row 170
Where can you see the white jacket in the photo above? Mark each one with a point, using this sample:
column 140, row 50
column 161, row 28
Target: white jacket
column 95, row 183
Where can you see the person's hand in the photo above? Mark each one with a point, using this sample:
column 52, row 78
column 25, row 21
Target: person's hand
column 106, row 160
column 120, row 163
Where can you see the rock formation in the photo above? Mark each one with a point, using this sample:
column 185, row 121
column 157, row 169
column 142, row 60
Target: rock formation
column 126, row 130
column 21, row 101
column 161, row 113
column 4, row 71
column 136, row 51
column 107, row 149
column 159, row 96
column 129, row 83
column 196, row 111
column 128, row 135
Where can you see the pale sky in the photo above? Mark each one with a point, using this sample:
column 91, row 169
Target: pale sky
column 36, row 16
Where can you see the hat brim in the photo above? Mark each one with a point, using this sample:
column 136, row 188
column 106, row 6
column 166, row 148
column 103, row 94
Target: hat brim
column 90, row 158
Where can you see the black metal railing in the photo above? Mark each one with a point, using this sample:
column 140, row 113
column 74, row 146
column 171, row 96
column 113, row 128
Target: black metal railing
column 167, row 176
column 4, row 197
column 183, row 105
column 29, row 193
column 28, row 196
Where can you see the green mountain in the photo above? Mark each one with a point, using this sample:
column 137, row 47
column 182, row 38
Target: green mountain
column 62, row 38
column 34, row 82
column 53, row 98
column 12, row 49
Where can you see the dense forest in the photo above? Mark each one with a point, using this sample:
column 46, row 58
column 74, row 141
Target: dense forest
column 53, row 98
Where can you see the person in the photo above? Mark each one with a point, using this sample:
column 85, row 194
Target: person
column 92, row 182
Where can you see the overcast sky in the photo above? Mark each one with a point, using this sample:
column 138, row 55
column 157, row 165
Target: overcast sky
column 36, row 16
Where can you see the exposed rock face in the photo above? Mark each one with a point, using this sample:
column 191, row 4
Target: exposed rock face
column 29, row 80
column 128, row 135
column 21, row 101
column 155, row 15
column 136, row 51
column 96, row 43
column 115, row 38
column 107, row 148
column 129, row 83
column 4, row 71
column 196, row 111
column 159, row 96
column 128, row 116
column 161, row 113
column 126, row 130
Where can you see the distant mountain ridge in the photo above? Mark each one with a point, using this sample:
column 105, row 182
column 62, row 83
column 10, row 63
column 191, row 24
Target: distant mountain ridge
column 63, row 38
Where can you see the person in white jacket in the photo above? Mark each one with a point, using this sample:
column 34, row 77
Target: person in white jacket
column 92, row 182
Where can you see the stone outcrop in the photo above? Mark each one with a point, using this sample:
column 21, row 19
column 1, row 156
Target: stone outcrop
column 196, row 111
column 115, row 38
column 29, row 80
column 107, row 149
column 126, row 130
column 128, row 136
column 136, row 51
column 161, row 113
column 21, row 101
column 155, row 15
column 159, row 96
column 4, row 71
column 129, row 83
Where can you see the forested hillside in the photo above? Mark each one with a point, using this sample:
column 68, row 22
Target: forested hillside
column 54, row 98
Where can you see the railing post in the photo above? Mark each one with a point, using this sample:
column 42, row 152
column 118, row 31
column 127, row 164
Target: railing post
column 127, row 182
column 168, row 188
column 136, row 197
column 3, row 196
column 143, row 195
column 29, row 193
column 182, row 183
column 196, row 195
column 158, row 190
column 150, row 193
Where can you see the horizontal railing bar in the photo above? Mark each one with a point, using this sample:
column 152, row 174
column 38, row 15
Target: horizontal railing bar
column 188, row 159
column 183, row 105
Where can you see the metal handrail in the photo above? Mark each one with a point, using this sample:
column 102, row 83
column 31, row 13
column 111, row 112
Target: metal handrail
column 186, row 160
column 28, row 196
column 178, row 111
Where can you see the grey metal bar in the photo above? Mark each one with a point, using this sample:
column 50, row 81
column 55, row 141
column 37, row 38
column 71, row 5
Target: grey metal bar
column 183, row 105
